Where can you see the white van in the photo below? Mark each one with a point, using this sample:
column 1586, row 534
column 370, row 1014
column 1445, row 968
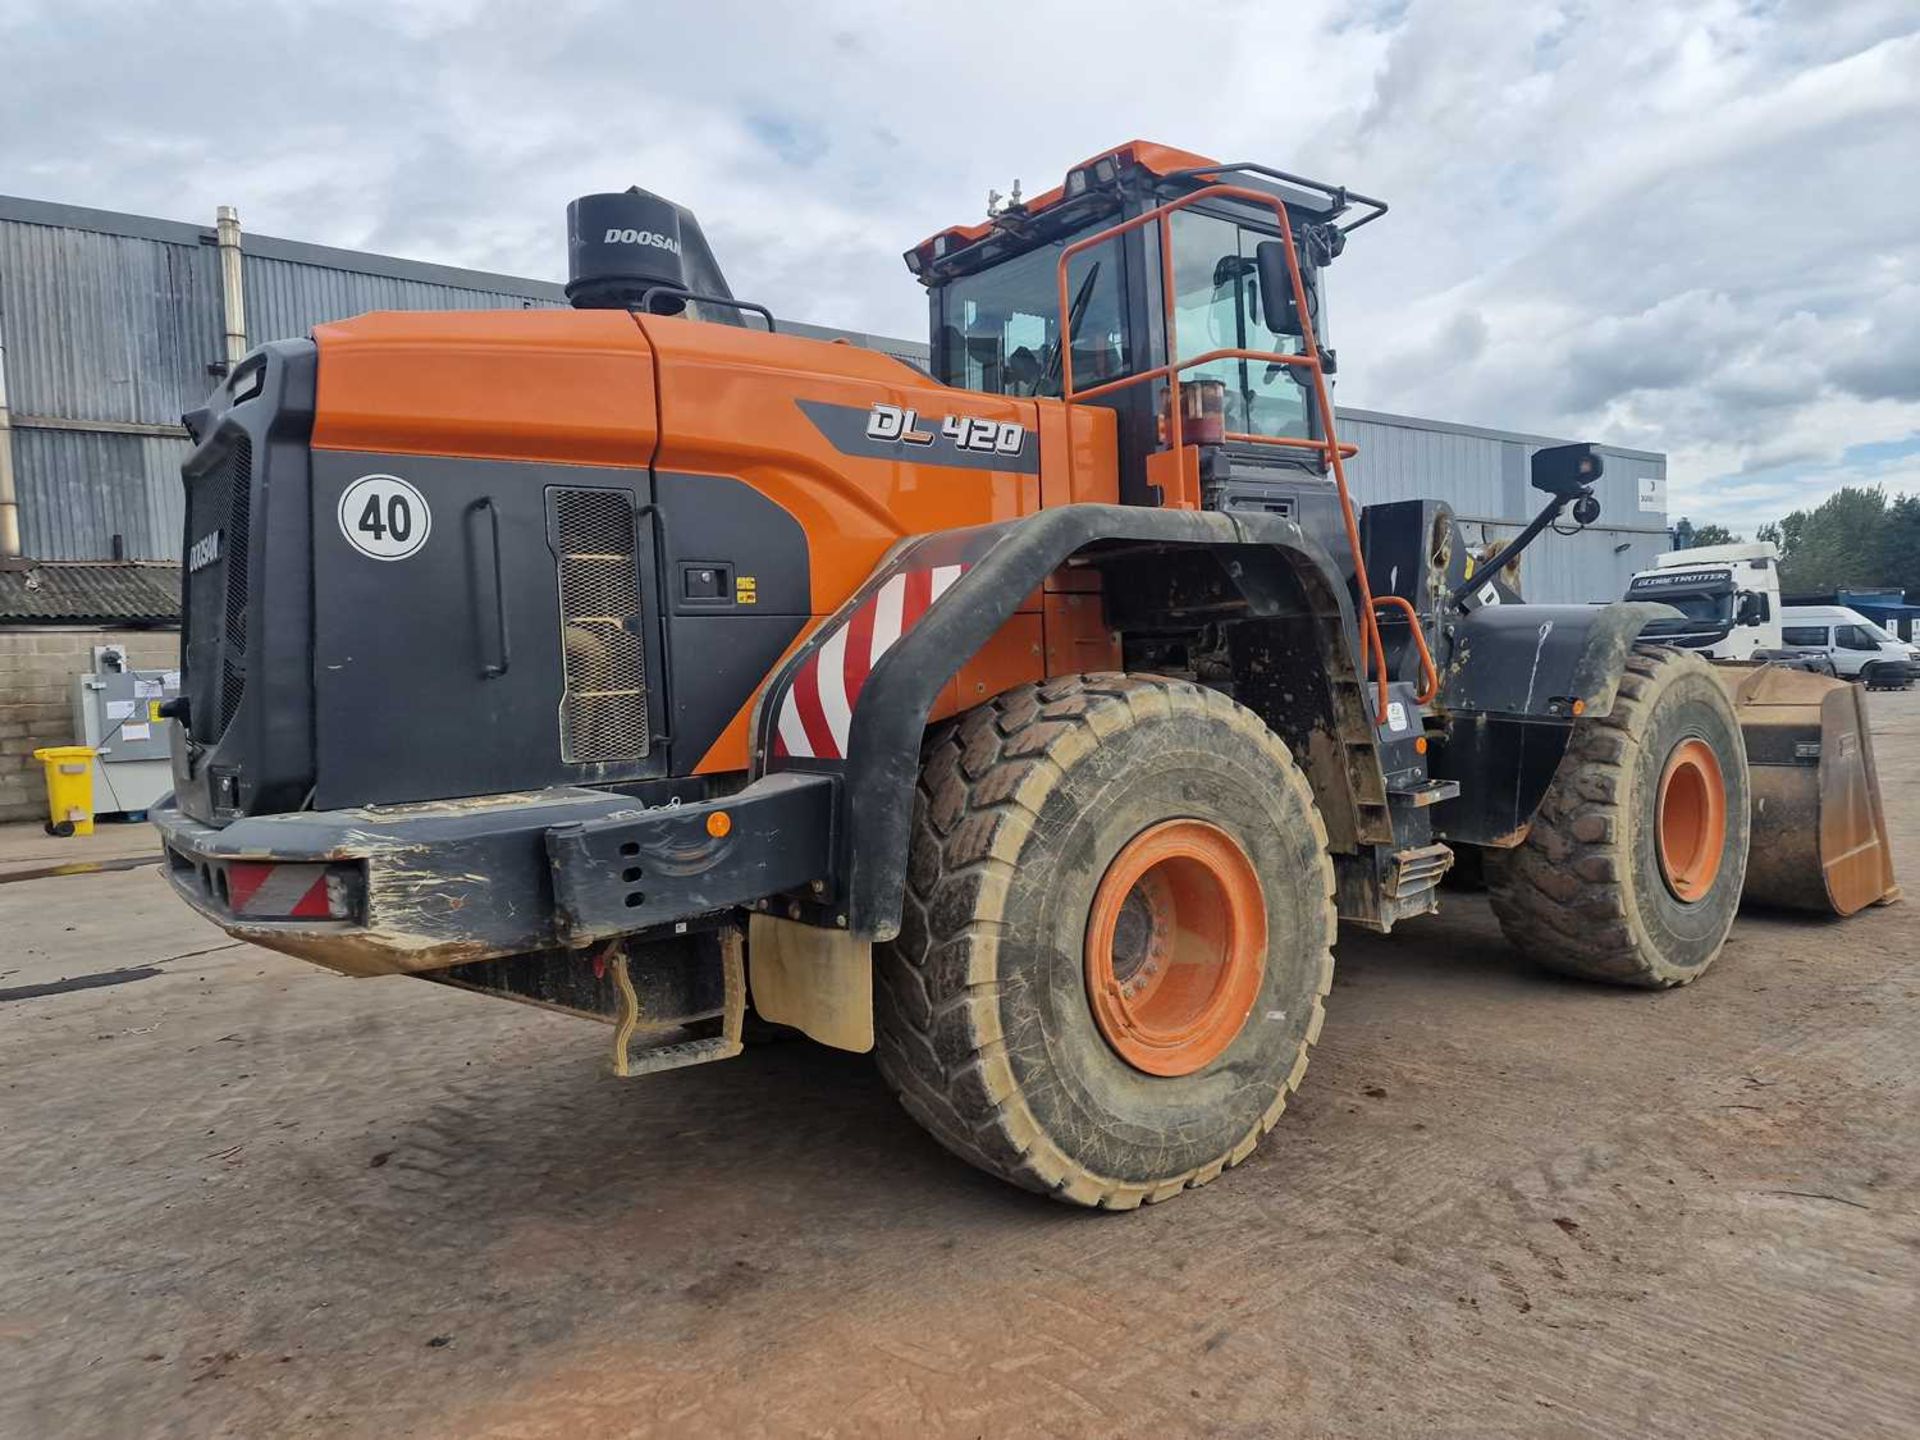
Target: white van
column 1860, row 650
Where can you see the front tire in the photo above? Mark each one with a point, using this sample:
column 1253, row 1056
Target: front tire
column 1117, row 934
column 1632, row 869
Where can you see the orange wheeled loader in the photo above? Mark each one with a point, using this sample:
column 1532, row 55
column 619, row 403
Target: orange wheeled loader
column 1031, row 722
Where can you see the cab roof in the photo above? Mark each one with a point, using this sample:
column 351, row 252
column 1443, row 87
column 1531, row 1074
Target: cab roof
column 1153, row 158
column 1093, row 187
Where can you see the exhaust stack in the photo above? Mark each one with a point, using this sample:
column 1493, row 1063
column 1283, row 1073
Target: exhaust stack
column 635, row 249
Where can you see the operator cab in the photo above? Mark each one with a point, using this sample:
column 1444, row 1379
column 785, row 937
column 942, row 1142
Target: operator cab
column 996, row 297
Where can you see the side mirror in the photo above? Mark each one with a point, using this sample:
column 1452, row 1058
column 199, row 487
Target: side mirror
column 1276, row 288
column 1753, row 609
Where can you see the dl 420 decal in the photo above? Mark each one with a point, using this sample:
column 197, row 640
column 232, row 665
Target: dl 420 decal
column 967, row 432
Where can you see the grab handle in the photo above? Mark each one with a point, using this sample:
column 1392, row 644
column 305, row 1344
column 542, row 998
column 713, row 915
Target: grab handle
column 494, row 669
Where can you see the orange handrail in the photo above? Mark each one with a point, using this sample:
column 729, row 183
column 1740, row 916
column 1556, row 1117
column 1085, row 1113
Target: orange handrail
column 1309, row 357
column 1429, row 676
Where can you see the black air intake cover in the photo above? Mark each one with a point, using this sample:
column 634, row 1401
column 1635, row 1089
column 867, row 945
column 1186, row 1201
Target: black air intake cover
column 621, row 246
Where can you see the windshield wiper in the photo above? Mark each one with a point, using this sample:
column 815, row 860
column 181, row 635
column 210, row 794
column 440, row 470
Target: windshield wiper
column 1075, row 313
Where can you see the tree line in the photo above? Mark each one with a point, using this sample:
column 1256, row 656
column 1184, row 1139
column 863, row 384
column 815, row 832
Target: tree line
column 1856, row 537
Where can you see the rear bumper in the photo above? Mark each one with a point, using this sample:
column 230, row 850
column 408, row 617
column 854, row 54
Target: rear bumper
column 401, row 889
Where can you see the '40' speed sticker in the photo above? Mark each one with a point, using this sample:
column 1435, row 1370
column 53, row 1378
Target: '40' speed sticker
column 384, row 517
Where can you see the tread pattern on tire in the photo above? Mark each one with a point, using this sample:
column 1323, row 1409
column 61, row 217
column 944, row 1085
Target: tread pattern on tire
column 983, row 780
column 1558, row 896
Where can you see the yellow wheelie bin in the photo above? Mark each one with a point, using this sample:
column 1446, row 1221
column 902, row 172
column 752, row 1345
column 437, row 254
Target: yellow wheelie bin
column 69, row 788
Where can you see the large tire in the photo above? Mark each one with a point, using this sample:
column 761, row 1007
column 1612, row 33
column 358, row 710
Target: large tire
column 1591, row 891
column 988, row 1024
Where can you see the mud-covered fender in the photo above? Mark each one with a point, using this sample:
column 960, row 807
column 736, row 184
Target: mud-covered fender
column 1534, row 661
column 855, row 698
column 1510, row 675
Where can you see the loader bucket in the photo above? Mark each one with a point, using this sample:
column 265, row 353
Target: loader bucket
column 1819, row 828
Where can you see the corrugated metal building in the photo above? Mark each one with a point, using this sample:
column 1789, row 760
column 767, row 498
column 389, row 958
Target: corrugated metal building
column 112, row 325
column 1482, row 474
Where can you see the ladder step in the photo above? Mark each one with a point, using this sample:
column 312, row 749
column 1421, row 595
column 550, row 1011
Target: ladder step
column 681, row 1054
column 1416, row 871
column 1430, row 792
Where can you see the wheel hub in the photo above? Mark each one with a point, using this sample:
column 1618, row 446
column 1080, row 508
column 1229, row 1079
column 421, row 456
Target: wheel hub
column 1176, row 947
column 1690, row 819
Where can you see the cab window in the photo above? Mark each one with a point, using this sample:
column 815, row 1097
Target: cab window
column 1000, row 329
column 1217, row 307
column 1808, row 637
column 1854, row 637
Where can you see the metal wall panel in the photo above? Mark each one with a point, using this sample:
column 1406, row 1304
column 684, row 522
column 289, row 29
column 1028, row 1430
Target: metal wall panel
column 1584, row 568
column 106, row 327
column 286, row 298
column 79, row 489
column 1482, row 474
column 1401, row 462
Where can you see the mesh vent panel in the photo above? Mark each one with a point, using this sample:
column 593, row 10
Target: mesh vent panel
column 603, row 715
column 593, row 522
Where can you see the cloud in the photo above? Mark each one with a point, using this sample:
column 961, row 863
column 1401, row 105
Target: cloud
column 1687, row 227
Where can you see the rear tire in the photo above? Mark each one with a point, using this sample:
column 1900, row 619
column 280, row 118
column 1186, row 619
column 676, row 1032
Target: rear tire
column 1038, row 905
column 1632, row 869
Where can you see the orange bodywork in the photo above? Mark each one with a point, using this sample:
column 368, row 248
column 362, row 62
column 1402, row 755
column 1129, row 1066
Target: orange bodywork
column 573, row 387
column 608, row 388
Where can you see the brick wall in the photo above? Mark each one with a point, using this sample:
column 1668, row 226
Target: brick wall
column 36, row 699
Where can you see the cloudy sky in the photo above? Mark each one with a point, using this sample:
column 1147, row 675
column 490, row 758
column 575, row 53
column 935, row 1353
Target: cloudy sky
column 1690, row 225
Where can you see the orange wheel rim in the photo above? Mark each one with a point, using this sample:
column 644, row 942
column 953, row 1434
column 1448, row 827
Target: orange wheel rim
column 1176, row 947
column 1690, row 818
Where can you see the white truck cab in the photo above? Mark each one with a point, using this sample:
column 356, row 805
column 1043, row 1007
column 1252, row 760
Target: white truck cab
column 1859, row 649
column 1729, row 596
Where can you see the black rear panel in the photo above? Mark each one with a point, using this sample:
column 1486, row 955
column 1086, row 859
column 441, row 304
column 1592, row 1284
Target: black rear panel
column 378, row 629
column 218, row 503
column 507, row 653
column 247, row 745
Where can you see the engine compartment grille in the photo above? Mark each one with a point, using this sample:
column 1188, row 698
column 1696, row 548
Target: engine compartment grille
column 603, row 712
column 233, row 678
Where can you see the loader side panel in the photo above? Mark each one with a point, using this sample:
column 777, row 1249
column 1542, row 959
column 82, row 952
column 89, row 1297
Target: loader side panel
column 854, row 699
column 738, row 591
column 861, row 452
column 790, row 417
column 1517, row 677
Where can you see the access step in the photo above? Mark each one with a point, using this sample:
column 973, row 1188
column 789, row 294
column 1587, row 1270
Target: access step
column 1416, row 872
column 1429, row 792
column 632, row 1055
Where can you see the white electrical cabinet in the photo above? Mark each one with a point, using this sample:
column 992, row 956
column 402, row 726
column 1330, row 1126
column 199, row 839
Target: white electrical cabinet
column 114, row 711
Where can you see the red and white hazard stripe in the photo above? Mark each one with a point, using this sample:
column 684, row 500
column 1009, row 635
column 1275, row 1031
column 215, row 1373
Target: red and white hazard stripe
column 297, row 892
column 817, row 711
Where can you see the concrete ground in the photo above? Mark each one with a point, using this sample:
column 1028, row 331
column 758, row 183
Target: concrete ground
column 240, row 1196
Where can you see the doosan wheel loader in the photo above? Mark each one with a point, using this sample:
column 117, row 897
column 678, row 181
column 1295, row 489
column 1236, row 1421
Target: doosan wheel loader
column 1031, row 722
